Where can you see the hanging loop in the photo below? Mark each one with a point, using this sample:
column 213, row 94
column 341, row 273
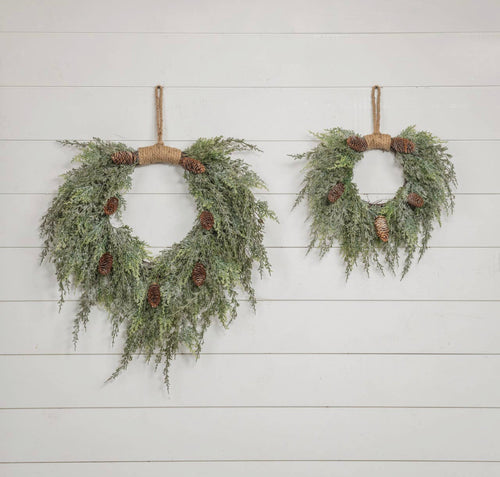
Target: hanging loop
column 159, row 113
column 159, row 152
column 377, row 140
column 376, row 109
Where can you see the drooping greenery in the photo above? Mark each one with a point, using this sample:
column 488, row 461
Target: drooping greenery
column 76, row 233
column 349, row 221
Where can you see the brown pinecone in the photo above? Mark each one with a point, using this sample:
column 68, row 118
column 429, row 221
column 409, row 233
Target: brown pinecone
column 105, row 263
column 382, row 228
column 206, row 220
column 192, row 165
column 357, row 143
column 415, row 200
column 111, row 206
column 124, row 157
column 199, row 274
column 154, row 295
column 402, row 145
column 336, row 192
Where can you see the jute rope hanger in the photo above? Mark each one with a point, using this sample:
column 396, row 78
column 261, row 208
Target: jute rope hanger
column 159, row 153
column 377, row 140
column 376, row 109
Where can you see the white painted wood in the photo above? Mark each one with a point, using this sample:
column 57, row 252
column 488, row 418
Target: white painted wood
column 469, row 226
column 249, row 60
column 447, row 274
column 442, row 274
column 268, row 380
column 47, row 160
column 293, row 16
column 251, row 469
column 266, row 71
column 281, row 327
column 229, row 434
column 279, row 114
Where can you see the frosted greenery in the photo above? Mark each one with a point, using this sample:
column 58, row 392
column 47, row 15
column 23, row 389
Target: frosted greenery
column 76, row 233
column 349, row 221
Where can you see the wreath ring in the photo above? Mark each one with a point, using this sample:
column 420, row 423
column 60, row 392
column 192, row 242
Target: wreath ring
column 366, row 231
column 167, row 301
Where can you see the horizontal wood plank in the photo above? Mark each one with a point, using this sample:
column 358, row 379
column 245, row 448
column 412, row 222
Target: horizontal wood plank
column 442, row 274
column 446, row 274
column 293, row 16
column 263, row 434
column 281, row 327
column 283, row 114
column 251, row 469
column 253, row 380
column 249, row 60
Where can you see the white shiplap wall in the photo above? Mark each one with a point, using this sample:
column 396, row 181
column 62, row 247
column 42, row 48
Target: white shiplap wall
column 373, row 377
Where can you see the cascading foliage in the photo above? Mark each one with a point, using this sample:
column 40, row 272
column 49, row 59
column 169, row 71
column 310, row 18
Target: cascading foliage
column 367, row 232
column 77, row 233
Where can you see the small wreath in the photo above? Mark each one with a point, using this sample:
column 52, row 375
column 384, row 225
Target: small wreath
column 364, row 230
column 168, row 301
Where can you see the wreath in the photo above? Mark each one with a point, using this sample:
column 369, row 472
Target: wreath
column 167, row 301
column 367, row 232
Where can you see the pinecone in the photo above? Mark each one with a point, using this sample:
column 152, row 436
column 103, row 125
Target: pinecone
column 402, row 145
column 124, row 157
column 105, row 263
column 111, row 206
column 192, row 165
column 357, row 143
column 335, row 192
column 415, row 200
column 154, row 295
column 199, row 274
column 382, row 228
column 206, row 220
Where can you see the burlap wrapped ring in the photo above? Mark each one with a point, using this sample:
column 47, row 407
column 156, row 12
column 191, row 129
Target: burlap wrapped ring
column 378, row 141
column 159, row 153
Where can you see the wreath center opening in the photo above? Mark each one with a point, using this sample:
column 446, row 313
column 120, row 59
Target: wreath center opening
column 159, row 208
column 378, row 176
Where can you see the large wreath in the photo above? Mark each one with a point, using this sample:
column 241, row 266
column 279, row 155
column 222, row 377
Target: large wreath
column 167, row 301
column 366, row 231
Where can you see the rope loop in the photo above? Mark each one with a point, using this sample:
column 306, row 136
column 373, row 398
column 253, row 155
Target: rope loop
column 159, row 113
column 376, row 108
column 159, row 152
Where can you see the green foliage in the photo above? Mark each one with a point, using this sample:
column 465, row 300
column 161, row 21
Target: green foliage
column 349, row 221
column 76, row 233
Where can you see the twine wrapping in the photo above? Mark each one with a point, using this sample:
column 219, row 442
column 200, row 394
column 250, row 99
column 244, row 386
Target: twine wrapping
column 159, row 153
column 378, row 141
